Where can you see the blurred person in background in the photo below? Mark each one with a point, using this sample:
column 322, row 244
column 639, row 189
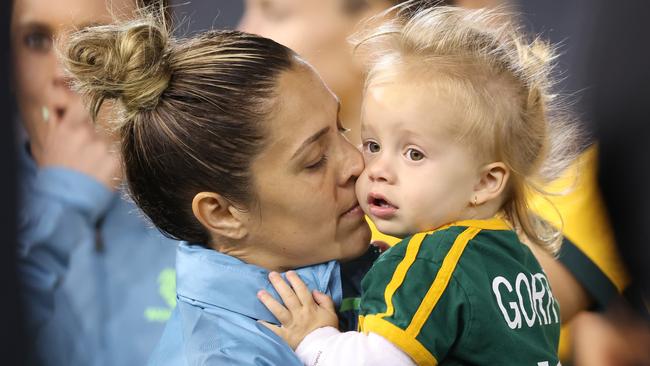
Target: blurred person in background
column 621, row 78
column 607, row 70
column 98, row 280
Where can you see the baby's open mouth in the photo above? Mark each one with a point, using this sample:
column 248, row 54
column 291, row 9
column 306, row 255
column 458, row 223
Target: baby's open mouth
column 380, row 208
column 377, row 200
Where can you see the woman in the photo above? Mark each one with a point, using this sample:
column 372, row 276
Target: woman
column 232, row 143
column 92, row 269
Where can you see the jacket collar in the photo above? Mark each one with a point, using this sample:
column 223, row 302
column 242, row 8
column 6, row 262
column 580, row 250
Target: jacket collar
column 207, row 278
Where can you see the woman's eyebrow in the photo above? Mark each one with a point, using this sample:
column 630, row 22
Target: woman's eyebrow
column 311, row 139
column 35, row 25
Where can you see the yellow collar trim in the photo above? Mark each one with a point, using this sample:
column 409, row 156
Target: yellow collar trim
column 495, row 223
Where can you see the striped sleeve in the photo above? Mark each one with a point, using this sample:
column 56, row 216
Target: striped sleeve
column 411, row 299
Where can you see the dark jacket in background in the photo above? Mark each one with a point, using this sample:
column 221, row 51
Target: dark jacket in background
column 11, row 335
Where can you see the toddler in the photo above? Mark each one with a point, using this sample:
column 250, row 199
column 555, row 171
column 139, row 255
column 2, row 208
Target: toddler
column 458, row 125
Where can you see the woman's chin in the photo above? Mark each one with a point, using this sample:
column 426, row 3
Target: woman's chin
column 357, row 244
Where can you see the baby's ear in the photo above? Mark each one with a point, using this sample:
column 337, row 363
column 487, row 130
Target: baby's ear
column 492, row 182
column 218, row 215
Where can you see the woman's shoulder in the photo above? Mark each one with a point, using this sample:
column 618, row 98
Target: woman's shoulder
column 198, row 335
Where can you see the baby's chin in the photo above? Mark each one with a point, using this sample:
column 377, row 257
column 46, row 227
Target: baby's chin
column 392, row 229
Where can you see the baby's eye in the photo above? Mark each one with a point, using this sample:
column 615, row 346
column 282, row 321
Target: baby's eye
column 372, row 146
column 415, row 155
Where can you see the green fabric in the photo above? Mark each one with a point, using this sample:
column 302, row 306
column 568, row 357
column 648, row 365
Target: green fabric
column 469, row 325
column 599, row 286
column 350, row 303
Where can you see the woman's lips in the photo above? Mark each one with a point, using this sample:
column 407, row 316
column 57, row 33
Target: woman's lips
column 380, row 207
column 354, row 212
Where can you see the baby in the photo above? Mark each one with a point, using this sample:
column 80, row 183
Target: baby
column 458, row 125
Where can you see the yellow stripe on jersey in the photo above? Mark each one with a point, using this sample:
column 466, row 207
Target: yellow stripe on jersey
column 400, row 338
column 412, row 249
column 441, row 281
column 495, row 223
column 377, row 235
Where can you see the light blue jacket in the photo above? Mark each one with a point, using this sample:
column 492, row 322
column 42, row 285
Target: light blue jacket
column 97, row 280
column 215, row 321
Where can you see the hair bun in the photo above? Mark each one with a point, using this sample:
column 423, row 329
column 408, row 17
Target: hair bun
column 128, row 62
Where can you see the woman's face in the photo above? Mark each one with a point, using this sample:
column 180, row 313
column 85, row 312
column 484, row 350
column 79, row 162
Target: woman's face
column 306, row 210
column 38, row 79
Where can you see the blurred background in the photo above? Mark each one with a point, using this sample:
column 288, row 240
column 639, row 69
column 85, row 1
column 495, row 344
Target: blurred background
column 603, row 69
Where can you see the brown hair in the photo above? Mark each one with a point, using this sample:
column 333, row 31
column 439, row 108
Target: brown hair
column 502, row 82
column 192, row 110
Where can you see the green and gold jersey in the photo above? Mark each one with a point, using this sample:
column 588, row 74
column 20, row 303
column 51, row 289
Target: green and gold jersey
column 466, row 294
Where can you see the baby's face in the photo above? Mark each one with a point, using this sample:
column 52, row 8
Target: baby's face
column 416, row 177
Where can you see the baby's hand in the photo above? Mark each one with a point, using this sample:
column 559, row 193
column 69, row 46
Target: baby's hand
column 301, row 313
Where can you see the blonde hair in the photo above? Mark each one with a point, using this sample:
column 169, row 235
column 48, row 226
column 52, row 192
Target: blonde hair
column 193, row 111
column 504, row 84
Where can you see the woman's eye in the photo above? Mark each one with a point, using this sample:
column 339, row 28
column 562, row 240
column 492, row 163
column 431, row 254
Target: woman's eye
column 415, row 155
column 38, row 41
column 320, row 163
column 372, row 147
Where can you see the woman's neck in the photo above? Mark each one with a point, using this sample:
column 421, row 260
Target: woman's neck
column 255, row 256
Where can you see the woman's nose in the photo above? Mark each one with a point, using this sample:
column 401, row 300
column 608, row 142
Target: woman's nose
column 352, row 163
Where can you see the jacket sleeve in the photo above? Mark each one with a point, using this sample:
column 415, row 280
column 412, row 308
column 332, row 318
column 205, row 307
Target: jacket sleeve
column 59, row 211
column 327, row 346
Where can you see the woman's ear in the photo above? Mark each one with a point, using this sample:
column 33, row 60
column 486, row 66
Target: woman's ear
column 492, row 182
column 219, row 216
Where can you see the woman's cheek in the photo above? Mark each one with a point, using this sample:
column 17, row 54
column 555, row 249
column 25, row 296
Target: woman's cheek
column 361, row 191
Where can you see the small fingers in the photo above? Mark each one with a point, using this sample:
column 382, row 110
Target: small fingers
column 301, row 290
column 277, row 309
column 324, row 301
column 287, row 294
column 274, row 328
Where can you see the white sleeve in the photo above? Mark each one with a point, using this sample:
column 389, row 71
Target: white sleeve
column 327, row 346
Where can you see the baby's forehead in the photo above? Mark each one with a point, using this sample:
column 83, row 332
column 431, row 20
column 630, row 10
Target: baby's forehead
column 400, row 108
column 418, row 80
column 404, row 105
column 450, row 87
column 418, row 96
